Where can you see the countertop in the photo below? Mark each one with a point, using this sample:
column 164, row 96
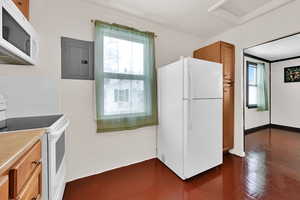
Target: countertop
column 14, row 144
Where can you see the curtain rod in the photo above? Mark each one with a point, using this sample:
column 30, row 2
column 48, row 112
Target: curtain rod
column 93, row 21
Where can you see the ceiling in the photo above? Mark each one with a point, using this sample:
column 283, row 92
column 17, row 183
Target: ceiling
column 241, row 8
column 190, row 16
column 277, row 50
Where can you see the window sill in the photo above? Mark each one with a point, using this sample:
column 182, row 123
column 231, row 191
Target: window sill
column 251, row 107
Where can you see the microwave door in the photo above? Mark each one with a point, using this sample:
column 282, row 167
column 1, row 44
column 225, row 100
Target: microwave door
column 13, row 33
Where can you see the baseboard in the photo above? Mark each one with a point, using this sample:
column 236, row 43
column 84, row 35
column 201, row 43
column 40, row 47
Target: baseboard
column 276, row 126
column 252, row 130
column 237, row 153
column 92, row 173
column 286, row 128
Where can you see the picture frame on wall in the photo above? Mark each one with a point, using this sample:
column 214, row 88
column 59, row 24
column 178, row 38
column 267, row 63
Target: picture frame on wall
column 292, row 74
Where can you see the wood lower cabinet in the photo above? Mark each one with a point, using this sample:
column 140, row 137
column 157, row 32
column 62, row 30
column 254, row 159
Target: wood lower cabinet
column 23, row 5
column 4, row 188
column 32, row 190
column 23, row 179
column 21, row 172
column 224, row 53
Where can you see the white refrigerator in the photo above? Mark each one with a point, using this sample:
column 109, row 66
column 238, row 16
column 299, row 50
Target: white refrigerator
column 190, row 132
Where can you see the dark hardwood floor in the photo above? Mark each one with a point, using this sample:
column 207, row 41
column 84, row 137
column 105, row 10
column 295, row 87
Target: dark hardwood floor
column 270, row 171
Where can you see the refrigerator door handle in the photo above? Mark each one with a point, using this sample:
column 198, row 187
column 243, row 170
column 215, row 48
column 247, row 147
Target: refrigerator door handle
column 190, row 96
column 190, row 99
column 190, row 124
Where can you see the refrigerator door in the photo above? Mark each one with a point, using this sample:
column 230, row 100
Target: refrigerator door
column 203, row 148
column 202, row 79
column 170, row 128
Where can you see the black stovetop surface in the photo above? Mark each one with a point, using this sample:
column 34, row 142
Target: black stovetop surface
column 25, row 123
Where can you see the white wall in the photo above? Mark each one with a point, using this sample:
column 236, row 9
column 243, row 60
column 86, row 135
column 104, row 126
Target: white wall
column 285, row 96
column 275, row 24
column 89, row 152
column 27, row 98
column 254, row 118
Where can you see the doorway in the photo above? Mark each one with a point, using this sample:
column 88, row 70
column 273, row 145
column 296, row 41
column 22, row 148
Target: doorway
column 272, row 85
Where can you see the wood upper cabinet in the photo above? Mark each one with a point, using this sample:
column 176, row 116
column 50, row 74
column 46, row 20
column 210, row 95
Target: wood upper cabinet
column 223, row 53
column 4, row 188
column 23, row 5
column 211, row 53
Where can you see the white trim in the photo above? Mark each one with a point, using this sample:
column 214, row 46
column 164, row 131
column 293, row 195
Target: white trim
column 237, row 152
column 264, row 9
column 217, row 5
column 268, row 7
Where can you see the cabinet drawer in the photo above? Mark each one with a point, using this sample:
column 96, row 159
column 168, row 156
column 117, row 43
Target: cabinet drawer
column 23, row 169
column 4, row 188
column 32, row 189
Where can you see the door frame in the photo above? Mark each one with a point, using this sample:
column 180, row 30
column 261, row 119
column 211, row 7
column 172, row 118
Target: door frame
column 270, row 78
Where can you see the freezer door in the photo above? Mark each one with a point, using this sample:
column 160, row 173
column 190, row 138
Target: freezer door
column 202, row 79
column 203, row 141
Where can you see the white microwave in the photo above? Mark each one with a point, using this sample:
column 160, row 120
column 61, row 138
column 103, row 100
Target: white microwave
column 18, row 39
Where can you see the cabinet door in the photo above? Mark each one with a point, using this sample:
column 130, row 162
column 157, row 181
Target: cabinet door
column 77, row 58
column 32, row 190
column 228, row 117
column 211, row 53
column 23, row 169
column 228, row 60
column 227, row 56
column 4, row 188
column 23, row 5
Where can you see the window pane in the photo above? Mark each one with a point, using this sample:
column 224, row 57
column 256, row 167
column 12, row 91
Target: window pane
column 123, row 56
column 252, row 75
column 252, row 95
column 123, row 96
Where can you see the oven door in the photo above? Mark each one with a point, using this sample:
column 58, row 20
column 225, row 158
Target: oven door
column 14, row 33
column 57, row 163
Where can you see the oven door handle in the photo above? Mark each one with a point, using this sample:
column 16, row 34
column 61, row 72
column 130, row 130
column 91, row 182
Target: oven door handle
column 57, row 133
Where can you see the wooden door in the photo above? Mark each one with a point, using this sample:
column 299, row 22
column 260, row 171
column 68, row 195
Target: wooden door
column 4, row 188
column 23, row 5
column 227, row 58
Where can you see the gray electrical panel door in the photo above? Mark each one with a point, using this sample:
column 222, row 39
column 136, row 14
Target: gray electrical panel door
column 77, row 59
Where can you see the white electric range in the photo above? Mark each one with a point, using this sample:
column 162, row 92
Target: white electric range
column 53, row 150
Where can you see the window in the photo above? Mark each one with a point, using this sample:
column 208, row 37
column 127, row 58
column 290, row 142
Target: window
column 121, row 95
column 125, row 75
column 251, row 85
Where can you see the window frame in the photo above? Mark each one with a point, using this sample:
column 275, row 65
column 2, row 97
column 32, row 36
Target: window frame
column 123, row 76
column 248, row 63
